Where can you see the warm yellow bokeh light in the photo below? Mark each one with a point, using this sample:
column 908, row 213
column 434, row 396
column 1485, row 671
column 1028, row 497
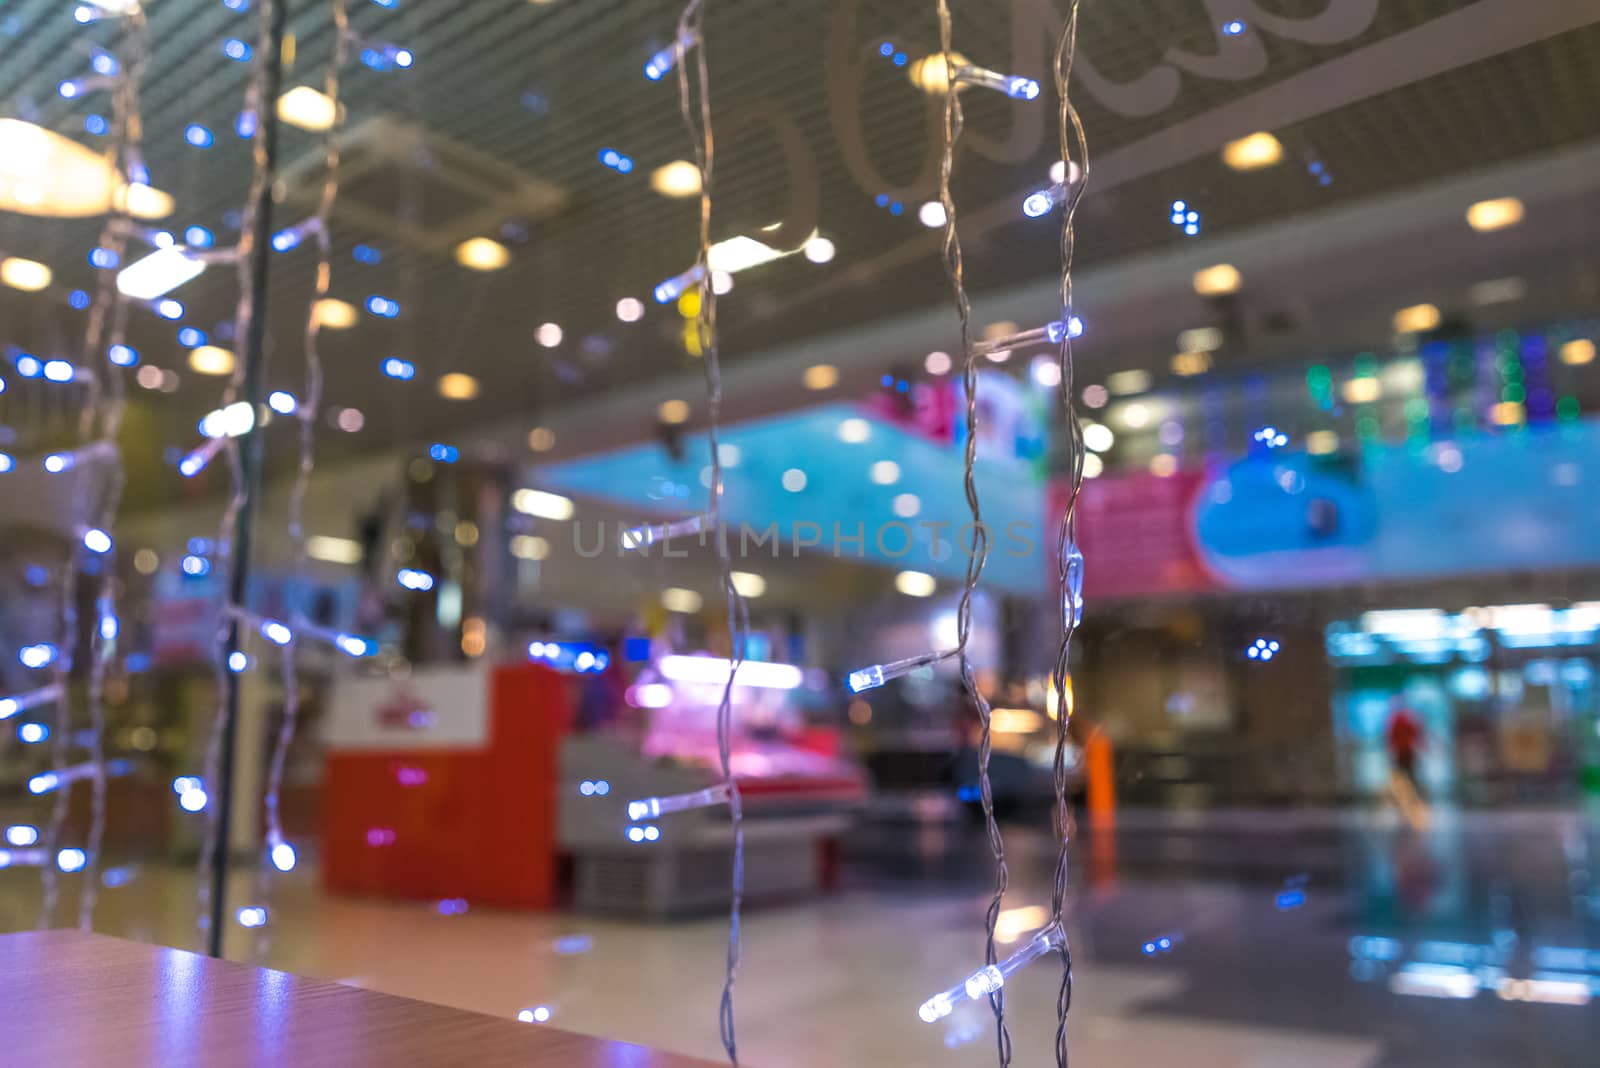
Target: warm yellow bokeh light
column 1416, row 319
column 1253, row 152
column 307, row 108
column 821, row 376
column 1578, row 352
column 211, row 360
column 333, row 314
column 1487, row 215
column 673, row 411
column 30, row 276
column 680, row 178
column 457, row 386
column 1217, row 281
column 482, row 254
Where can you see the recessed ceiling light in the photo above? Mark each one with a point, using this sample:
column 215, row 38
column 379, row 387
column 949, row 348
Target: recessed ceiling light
column 30, row 276
column 819, row 249
column 1322, row 442
column 548, row 335
column 1253, row 152
column 1122, row 383
column 677, row 599
column 854, row 431
column 541, row 439
column 482, row 254
column 748, row 583
column 1200, row 339
column 1497, row 291
column 1134, row 416
column 821, row 376
column 1060, row 169
column 529, row 547
column 307, row 108
column 1577, row 352
column 680, row 178
column 931, row 214
column 673, row 411
column 210, row 360
column 542, row 504
column 47, row 174
column 1487, row 215
column 630, row 310
column 915, row 583
column 334, row 314
column 457, row 386
column 937, row 363
column 1217, row 281
column 158, row 273
column 145, row 202
column 1362, row 390
column 1416, row 319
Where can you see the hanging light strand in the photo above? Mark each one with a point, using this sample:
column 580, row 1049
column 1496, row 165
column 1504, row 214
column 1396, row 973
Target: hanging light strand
column 244, row 314
column 694, row 102
column 1069, row 560
column 310, row 403
column 112, row 398
column 953, row 122
column 98, row 421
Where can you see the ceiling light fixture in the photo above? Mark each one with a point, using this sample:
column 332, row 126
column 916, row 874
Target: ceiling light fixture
column 677, row 179
column 1253, row 152
column 30, row 276
column 821, row 376
column 482, row 254
column 334, row 314
column 1416, row 319
column 308, row 108
column 1217, row 281
column 210, row 360
column 1488, row 215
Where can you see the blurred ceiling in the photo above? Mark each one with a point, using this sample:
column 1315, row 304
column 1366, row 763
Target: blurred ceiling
column 497, row 129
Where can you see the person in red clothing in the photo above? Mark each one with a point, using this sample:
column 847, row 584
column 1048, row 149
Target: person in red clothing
column 1404, row 738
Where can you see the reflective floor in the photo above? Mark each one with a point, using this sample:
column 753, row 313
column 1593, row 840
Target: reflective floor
column 1292, row 938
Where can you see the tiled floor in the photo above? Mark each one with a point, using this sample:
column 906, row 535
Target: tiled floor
column 836, row 982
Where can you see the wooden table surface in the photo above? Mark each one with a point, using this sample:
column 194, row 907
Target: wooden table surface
column 72, row 999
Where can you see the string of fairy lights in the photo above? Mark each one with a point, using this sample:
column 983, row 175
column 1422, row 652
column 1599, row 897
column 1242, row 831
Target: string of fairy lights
column 235, row 619
column 278, row 854
column 989, row 981
column 687, row 54
column 96, row 493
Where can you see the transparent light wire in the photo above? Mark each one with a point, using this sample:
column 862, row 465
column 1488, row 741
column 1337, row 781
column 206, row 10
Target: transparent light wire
column 642, row 537
column 128, row 130
column 244, row 314
column 309, row 404
column 1069, row 560
column 980, row 537
column 98, row 423
column 694, row 103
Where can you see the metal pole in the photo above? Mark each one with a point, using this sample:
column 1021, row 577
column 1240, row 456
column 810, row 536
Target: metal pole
column 250, row 460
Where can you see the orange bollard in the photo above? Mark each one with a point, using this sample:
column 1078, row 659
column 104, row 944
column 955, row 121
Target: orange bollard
column 1100, row 771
